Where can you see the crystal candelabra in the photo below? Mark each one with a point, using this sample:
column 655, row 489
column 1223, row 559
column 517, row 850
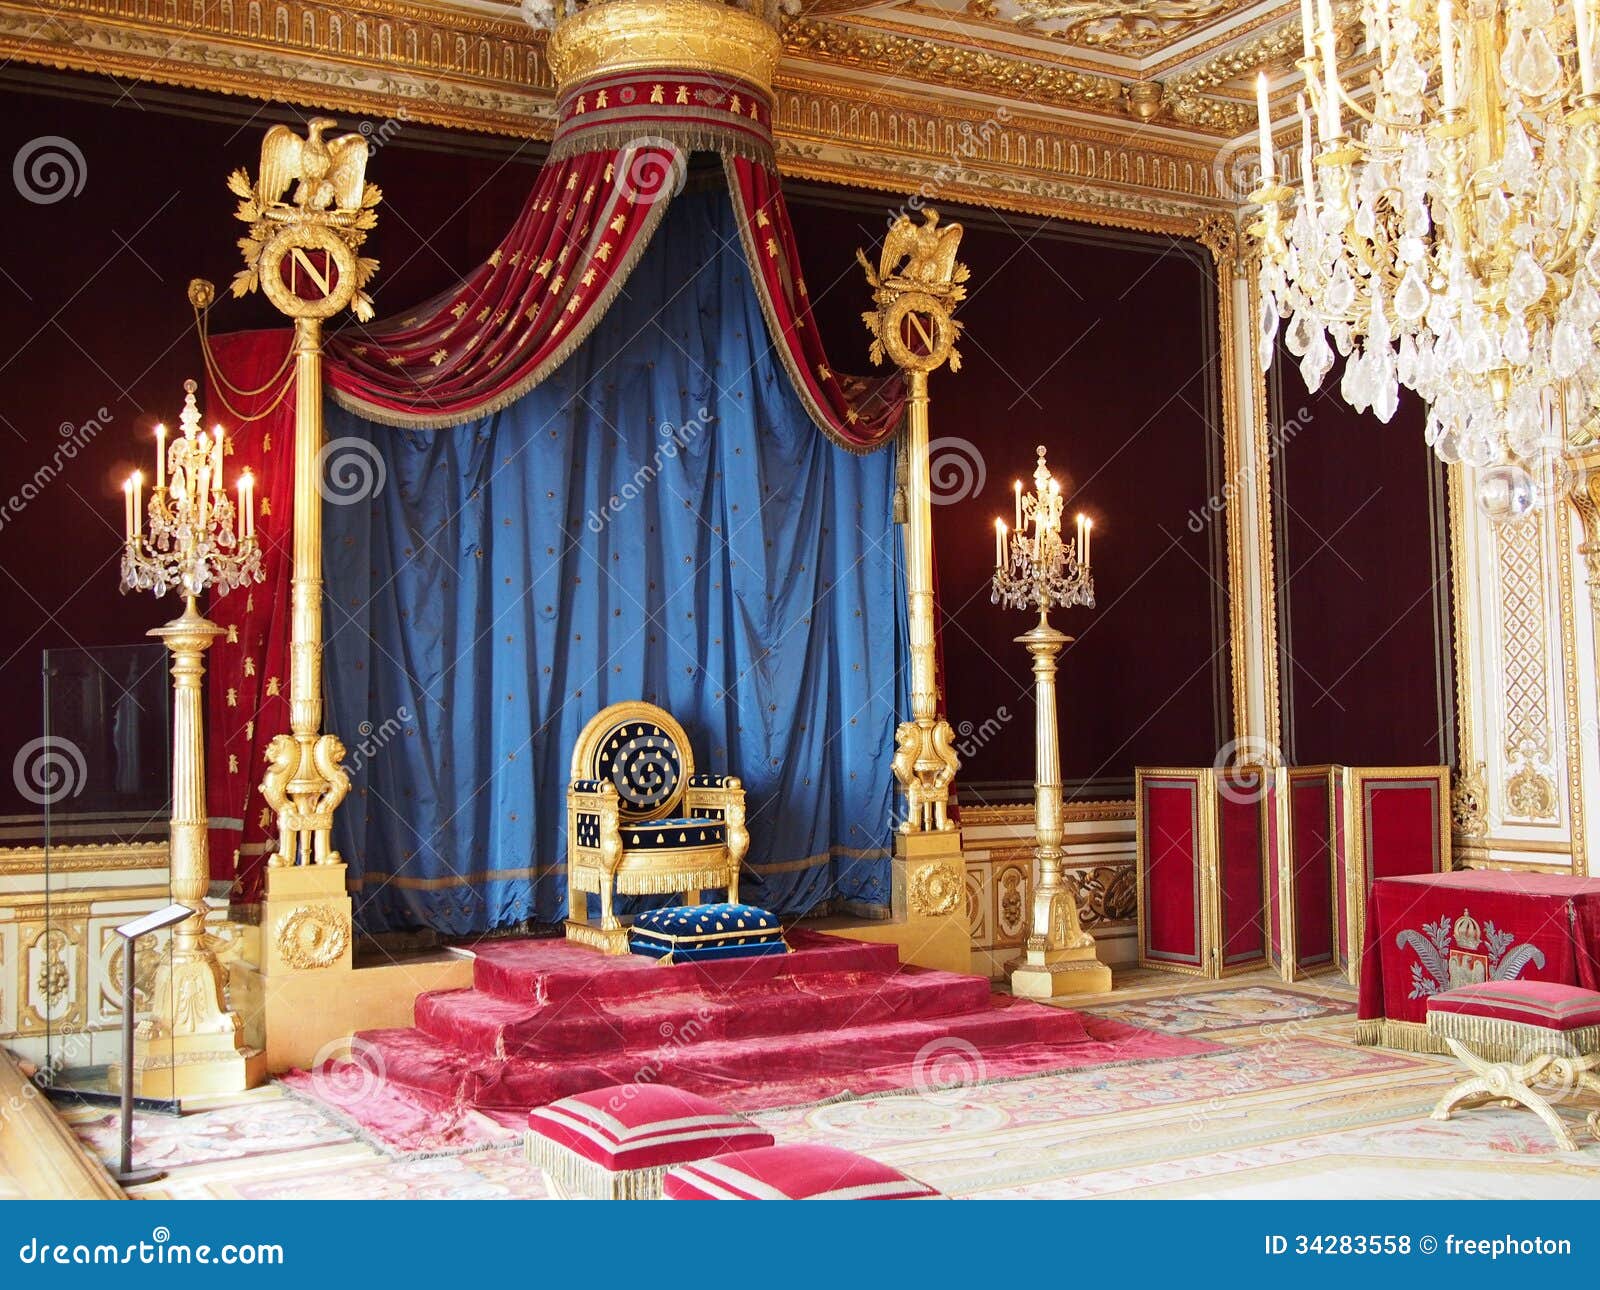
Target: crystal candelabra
column 1448, row 244
column 190, row 1043
column 198, row 537
column 1036, row 568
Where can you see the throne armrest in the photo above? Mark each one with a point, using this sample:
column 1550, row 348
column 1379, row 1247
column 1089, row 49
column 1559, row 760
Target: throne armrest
column 710, row 796
column 595, row 820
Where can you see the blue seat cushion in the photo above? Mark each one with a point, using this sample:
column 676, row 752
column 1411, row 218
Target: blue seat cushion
column 677, row 831
column 652, row 835
column 690, row 933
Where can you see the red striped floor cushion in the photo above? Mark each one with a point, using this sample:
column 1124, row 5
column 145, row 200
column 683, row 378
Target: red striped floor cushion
column 792, row 1172
column 1546, row 1004
column 639, row 1126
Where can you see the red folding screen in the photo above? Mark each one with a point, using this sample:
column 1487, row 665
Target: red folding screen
column 1242, row 867
column 1202, row 868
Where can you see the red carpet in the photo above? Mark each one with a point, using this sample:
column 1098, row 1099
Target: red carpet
column 545, row 1019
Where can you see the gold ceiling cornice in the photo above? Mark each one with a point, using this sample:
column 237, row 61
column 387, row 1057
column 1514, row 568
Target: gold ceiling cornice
column 463, row 69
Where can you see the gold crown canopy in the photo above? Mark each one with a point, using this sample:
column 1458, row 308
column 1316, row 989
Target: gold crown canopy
column 694, row 35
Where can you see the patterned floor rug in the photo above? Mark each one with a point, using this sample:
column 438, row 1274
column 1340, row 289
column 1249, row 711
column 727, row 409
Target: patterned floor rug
column 1287, row 1107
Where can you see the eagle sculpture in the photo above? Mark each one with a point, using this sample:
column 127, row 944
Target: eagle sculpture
column 924, row 255
column 331, row 173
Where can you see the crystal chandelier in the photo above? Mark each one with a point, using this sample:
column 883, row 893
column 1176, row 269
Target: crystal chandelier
column 1448, row 244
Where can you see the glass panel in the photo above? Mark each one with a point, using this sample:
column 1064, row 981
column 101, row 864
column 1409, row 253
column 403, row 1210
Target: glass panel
column 104, row 786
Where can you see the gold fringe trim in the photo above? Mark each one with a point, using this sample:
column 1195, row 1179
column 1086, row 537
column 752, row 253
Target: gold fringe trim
column 1407, row 1036
column 1493, row 1039
column 576, row 1176
column 1497, row 1039
column 691, row 136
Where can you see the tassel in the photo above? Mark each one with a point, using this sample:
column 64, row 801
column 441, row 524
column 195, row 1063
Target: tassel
column 902, row 476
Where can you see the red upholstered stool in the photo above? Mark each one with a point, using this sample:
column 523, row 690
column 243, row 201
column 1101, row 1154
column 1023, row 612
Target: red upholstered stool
column 1516, row 1035
column 793, row 1172
column 615, row 1143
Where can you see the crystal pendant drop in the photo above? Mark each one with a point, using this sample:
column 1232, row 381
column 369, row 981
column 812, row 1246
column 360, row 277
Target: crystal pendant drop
column 1526, row 283
column 1411, row 301
column 1341, row 290
column 1514, row 344
column 1318, row 359
column 1505, row 492
column 1528, row 63
column 1297, row 336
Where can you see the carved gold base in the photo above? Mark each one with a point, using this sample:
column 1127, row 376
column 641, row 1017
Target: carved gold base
column 1049, row 974
column 612, row 940
column 305, row 920
column 192, row 1066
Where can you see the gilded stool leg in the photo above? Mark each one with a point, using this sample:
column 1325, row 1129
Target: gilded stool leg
column 1504, row 1081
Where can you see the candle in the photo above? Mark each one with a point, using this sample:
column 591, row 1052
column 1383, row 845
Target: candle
column 127, row 507
column 1331, row 126
column 242, row 525
column 1447, row 50
column 1088, row 533
column 1585, row 38
column 1264, row 126
column 1016, row 485
column 1305, row 27
column 216, row 462
column 138, row 504
column 202, row 489
column 999, row 544
column 161, row 456
column 1308, row 172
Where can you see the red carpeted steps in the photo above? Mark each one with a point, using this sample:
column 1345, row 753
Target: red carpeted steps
column 546, row 1019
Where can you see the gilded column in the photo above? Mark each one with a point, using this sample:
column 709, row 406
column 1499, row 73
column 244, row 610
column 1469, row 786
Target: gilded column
column 306, row 227
column 1248, row 447
column 916, row 285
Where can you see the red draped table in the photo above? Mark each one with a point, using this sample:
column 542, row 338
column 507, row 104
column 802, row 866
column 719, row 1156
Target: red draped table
column 1427, row 933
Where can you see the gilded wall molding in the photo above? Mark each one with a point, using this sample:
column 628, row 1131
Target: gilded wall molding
column 1021, row 815
column 82, row 858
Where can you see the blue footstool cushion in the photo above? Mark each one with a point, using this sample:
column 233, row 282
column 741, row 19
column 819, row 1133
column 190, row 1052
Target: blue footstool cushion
column 698, row 933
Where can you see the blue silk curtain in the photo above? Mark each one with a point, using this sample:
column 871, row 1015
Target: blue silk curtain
column 658, row 520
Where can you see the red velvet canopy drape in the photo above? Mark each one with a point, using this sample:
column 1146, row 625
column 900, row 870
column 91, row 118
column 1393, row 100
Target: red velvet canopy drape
column 619, row 156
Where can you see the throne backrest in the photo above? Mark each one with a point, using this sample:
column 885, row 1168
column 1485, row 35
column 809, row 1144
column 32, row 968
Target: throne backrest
column 639, row 748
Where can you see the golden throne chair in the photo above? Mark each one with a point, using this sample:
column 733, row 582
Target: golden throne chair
column 641, row 822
